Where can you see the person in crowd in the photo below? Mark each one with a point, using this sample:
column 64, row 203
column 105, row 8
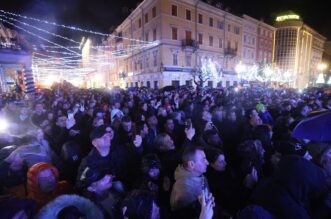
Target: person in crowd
column 297, row 190
column 13, row 207
column 43, row 183
column 189, row 180
column 69, row 207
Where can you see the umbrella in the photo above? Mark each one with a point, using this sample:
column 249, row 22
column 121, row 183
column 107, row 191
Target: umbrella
column 316, row 127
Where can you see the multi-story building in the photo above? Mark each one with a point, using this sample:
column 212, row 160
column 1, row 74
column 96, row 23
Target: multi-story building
column 15, row 63
column 250, row 27
column 299, row 49
column 186, row 36
column 265, row 43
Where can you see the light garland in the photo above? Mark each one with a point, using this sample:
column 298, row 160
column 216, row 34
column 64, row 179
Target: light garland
column 72, row 27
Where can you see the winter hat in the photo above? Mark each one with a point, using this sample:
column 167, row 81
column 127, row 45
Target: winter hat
column 114, row 112
column 71, row 152
column 85, row 207
column 150, row 161
column 98, row 132
column 318, row 150
column 89, row 176
column 259, row 107
column 291, row 147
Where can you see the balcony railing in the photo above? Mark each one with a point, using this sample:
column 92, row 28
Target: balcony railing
column 189, row 43
column 230, row 52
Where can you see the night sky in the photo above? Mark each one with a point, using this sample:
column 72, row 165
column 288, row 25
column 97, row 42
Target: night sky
column 103, row 15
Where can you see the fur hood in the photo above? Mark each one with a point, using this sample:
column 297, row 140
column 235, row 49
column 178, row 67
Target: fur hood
column 85, row 206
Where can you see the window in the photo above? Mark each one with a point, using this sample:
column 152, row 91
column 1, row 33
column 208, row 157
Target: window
column 148, row 84
column 154, row 12
column 220, row 43
column 136, row 84
column 174, row 10
column 253, row 41
column 156, row 84
column 220, row 25
column 154, row 34
column 188, row 35
column 155, row 58
column 146, row 18
column 146, row 36
column 211, row 39
column 141, row 84
column 188, row 60
column 245, row 38
column 229, row 27
column 139, row 23
column 228, row 44
column 175, row 59
column 236, row 45
column 211, row 22
column 188, row 15
column 174, row 33
column 210, row 83
column 131, row 84
column 200, row 19
column 237, row 30
column 200, row 38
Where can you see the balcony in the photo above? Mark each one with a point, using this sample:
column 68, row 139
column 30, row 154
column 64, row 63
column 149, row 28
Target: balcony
column 190, row 44
column 230, row 52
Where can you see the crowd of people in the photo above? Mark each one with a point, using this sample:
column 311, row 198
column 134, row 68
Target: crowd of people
column 162, row 153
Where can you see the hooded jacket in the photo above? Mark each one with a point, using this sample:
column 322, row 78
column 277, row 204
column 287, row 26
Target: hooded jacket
column 186, row 189
column 296, row 185
column 85, row 206
column 33, row 188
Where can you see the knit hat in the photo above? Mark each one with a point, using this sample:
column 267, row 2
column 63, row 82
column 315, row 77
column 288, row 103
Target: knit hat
column 89, row 176
column 291, row 147
column 150, row 161
column 98, row 132
column 259, row 107
column 318, row 150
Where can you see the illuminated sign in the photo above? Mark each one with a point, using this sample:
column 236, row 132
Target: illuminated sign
column 288, row 17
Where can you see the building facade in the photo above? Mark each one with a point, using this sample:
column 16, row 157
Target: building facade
column 186, row 35
column 15, row 62
column 299, row 49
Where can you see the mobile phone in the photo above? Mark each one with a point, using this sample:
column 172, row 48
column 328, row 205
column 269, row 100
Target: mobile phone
column 188, row 123
column 205, row 189
column 70, row 115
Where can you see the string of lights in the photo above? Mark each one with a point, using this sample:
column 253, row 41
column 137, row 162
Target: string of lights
column 33, row 34
column 73, row 28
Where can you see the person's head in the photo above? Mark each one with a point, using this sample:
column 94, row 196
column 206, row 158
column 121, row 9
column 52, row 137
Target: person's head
column 44, row 175
column 126, row 123
column 255, row 120
column 140, row 204
column 292, row 147
column 101, row 138
column 169, row 125
column 61, row 121
column 151, row 165
column 304, row 110
column 321, row 153
column 142, row 128
column 70, row 212
column 206, row 116
column 213, row 138
column 251, row 149
column 95, row 181
column 39, row 108
column 24, row 111
column 251, row 113
column 144, row 107
column 232, row 116
column 194, row 160
column 152, row 121
column 162, row 112
column 216, row 159
column 98, row 121
column 163, row 142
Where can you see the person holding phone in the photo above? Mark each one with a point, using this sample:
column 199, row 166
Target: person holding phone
column 189, row 181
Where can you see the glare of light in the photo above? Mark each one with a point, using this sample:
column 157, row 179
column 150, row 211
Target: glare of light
column 329, row 81
column 240, row 68
column 300, row 91
column 320, row 79
column 236, row 89
column 98, row 77
column 321, row 66
column 3, row 125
